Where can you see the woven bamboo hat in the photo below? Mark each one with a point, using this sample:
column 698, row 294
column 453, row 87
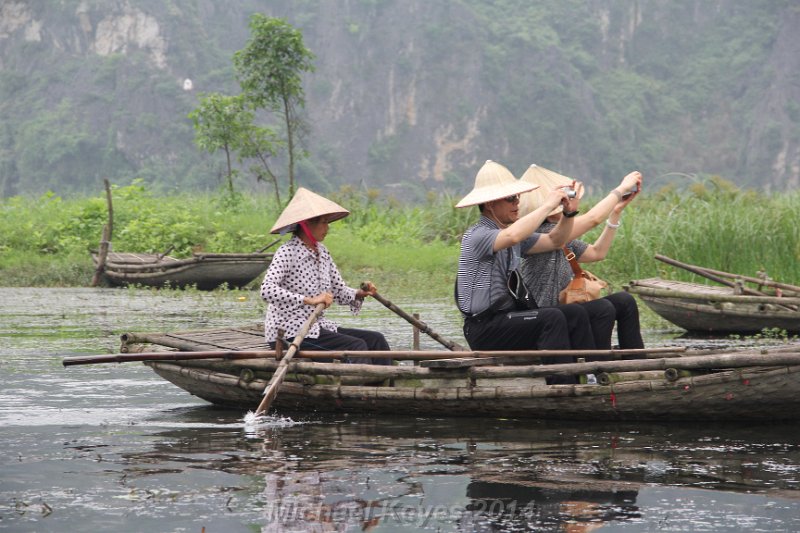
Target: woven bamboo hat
column 306, row 205
column 547, row 180
column 494, row 181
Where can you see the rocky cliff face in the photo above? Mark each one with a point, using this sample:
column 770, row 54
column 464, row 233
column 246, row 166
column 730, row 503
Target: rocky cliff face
column 411, row 95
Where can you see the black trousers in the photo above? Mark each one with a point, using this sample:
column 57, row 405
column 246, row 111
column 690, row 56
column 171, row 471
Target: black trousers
column 349, row 339
column 601, row 317
column 629, row 332
column 548, row 328
column 563, row 327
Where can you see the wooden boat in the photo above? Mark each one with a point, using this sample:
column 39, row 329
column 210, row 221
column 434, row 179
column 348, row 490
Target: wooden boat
column 203, row 270
column 732, row 308
column 703, row 308
column 231, row 367
column 206, row 271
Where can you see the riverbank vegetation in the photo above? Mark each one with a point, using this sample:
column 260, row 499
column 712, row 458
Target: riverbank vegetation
column 405, row 249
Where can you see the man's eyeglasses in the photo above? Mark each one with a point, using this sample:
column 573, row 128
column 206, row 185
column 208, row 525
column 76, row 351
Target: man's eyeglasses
column 512, row 199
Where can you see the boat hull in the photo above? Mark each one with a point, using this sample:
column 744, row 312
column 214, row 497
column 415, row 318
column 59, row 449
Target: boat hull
column 707, row 309
column 706, row 317
column 748, row 394
column 205, row 272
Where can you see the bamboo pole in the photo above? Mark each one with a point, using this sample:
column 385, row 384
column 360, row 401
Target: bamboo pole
column 702, row 272
column 128, row 339
column 415, row 334
column 758, row 281
column 668, row 368
column 105, row 243
column 421, row 355
column 277, row 378
column 719, row 361
column 422, row 326
column 337, row 369
column 607, row 378
column 270, row 245
column 707, row 274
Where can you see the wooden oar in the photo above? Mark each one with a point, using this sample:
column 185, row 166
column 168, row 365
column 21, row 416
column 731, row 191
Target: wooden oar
column 422, row 326
column 700, row 271
column 277, row 378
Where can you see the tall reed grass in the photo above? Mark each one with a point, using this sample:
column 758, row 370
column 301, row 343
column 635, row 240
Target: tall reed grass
column 712, row 225
column 409, row 249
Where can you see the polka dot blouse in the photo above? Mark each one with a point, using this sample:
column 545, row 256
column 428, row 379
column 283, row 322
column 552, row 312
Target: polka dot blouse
column 296, row 272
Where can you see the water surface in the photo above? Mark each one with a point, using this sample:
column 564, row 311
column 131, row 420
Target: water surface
column 115, row 448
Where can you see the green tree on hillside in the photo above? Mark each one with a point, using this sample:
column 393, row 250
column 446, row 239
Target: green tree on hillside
column 269, row 70
column 221, row 123
column 227, row 123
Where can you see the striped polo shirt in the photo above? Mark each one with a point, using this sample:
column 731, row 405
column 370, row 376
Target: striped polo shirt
column 482, row 272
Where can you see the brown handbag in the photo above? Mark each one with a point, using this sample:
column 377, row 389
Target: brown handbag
column 584, row 286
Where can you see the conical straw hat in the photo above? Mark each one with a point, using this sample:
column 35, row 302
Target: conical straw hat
column 494, row 181
column 547, row 180
column 306, row 205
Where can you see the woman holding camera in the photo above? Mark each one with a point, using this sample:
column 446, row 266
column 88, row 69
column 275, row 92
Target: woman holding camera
column 547, row 274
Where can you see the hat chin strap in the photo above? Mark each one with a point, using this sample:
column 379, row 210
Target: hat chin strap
column 312, row 241
column 486, row 207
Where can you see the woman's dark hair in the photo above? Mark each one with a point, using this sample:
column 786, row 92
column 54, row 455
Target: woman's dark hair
column 298, row 230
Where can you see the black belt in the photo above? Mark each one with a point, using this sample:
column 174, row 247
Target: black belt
column 485, row 316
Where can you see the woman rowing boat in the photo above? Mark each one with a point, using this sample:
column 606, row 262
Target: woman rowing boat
column 302, row 274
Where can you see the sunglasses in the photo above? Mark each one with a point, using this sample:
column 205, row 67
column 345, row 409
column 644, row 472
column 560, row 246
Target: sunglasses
column 514, row 198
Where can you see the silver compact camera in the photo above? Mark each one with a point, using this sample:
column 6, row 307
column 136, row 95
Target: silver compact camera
column 570, row 192
column 635, row 189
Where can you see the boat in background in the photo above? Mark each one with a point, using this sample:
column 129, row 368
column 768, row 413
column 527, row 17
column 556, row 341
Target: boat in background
column 731, row 307
column 701, row 308
column 204, row 271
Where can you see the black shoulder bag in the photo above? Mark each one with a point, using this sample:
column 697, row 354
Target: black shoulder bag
column 523, row 299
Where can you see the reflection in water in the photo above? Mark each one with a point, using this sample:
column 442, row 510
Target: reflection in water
column 577, row 509
column 361, row 473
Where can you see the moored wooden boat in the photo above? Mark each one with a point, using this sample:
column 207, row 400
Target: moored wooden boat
column 204, row 270
column 233, row 367
column 739, row 304
column 703, row 308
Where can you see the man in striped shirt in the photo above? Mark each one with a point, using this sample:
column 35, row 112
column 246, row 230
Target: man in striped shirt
column 491, row 249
